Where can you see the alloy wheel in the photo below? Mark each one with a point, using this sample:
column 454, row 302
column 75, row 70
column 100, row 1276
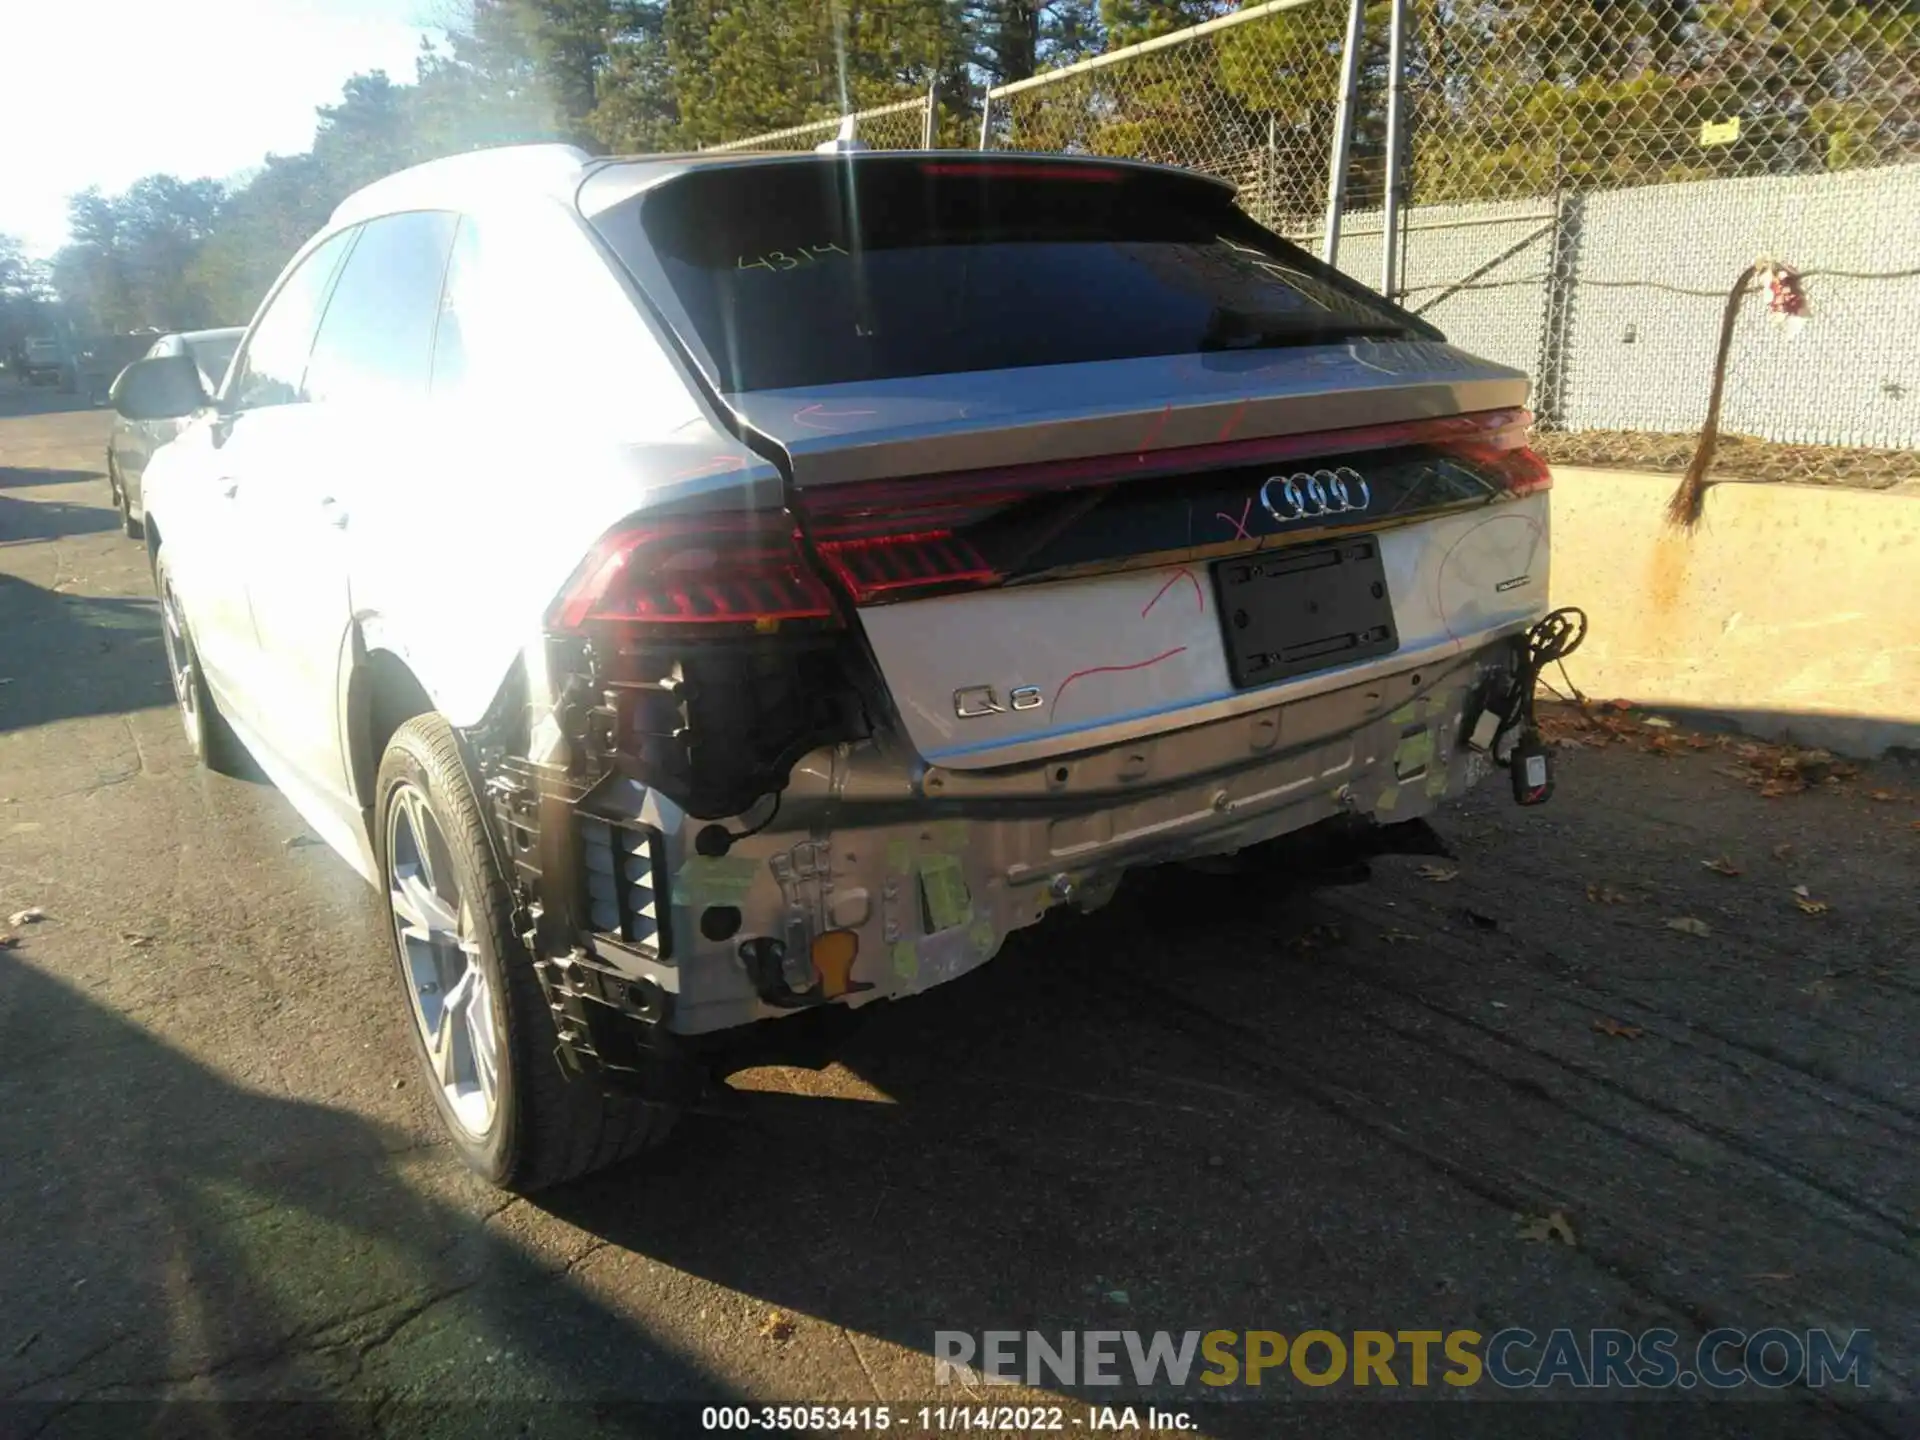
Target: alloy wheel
column 180, row 663
column 452, row 999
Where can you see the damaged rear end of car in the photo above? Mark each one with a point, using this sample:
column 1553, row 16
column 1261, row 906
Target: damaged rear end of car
column 1110, row 531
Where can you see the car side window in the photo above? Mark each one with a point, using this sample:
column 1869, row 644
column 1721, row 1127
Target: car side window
column 530, row 314
column 449, row 373
column 376, row 339
column 271, row 370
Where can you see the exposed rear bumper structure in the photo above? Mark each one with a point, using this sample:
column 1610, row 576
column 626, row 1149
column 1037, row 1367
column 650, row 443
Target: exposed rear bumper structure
column 881, row 877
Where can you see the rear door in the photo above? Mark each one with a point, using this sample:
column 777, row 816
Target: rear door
column 247, row 445
column 1093, row 454
column 356, row 433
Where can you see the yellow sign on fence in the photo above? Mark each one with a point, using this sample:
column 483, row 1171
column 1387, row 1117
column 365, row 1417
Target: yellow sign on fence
column 1719, row 132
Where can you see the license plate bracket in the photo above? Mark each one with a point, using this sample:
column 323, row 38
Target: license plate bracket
column 1293, row 611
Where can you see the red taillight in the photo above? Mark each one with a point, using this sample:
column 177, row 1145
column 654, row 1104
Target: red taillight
column 983, row 490
column 1525, row 472
column 743, row 572
column 880, row 567
column 893, row 539
column 1511, row 461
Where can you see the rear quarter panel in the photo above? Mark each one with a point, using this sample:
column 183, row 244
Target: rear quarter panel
column 471, row 511
column 456, row 563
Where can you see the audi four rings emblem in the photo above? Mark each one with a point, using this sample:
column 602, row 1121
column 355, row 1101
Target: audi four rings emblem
column 1323, row 492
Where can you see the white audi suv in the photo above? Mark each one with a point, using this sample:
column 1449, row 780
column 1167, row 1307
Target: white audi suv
column 708, row 593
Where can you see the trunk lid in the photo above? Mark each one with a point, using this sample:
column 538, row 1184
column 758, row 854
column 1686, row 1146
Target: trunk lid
column 889, row 429
column 1088, row 579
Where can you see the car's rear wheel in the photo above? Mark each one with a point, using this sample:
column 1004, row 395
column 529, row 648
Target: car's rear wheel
column 482, row 1032
column 133, row 528
column 208, row 733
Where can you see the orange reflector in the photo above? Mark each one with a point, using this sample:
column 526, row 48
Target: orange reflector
column 833, row 956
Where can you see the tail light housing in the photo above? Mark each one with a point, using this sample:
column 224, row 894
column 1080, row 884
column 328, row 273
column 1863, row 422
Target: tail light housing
column 888, row 567
column 700, row 655
column 885, row 540
column 698, row 575
column 1504, row 455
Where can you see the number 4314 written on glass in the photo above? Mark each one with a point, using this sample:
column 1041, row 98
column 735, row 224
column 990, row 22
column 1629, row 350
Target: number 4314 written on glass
column 778, row 260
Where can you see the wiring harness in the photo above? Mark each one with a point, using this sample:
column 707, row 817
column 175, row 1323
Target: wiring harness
column 1548, row 642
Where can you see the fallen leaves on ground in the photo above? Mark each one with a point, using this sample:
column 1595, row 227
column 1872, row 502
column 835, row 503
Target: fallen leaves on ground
column 1803, row 897
column 1778, row 770
column 1395, row 936
column 777, row 1326
column 1774, row 770
column 136, row 939
column 9, row 940
column 1882, row 795
column 1438, row 873
column 1721, row 866
column 1617, row 1030
column 1687, row 925
column 32, row 915
column 1783, row 850
column 1772, row 1275
column 1552, row 1226
column 1602, row 893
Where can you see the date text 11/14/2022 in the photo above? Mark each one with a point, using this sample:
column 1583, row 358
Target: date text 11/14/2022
column 942, row 1419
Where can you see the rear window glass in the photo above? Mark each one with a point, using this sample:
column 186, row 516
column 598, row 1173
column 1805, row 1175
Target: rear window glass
column 826, row 272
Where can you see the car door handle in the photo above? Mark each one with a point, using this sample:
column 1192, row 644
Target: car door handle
column 336, row 516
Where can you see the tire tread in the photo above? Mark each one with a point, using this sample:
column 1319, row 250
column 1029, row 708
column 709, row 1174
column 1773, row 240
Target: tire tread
column 566, row 1128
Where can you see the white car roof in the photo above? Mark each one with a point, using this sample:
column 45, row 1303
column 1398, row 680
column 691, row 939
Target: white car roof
column 470, row 181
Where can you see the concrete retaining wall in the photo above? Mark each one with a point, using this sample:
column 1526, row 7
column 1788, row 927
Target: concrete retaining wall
column 1793, row 611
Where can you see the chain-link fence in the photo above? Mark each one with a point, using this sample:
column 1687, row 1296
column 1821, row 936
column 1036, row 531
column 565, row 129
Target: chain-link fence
column 1583, row 182
column 1589, row 181
column 906, row 125
column 1252, row 97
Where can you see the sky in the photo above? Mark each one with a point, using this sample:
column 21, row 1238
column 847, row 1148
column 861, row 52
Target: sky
column 106, row 91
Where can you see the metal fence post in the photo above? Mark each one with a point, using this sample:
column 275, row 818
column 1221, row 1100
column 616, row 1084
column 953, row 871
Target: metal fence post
column 933, row 107
column 1396, row 125
column 1556, row 323
column 986, row 117
column 1343, row 130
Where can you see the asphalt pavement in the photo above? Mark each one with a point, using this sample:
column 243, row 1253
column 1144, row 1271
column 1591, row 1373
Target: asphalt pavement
column 1498, row 1090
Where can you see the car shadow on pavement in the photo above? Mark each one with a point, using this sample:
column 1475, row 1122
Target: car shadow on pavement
column 26, row 477
column 34, row 400
column 172, row 1234
column 73, row 655
column 24, row 521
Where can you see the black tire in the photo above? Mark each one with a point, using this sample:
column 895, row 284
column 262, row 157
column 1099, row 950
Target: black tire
column 212, row 740
column 545, row 1128
column 129, row 526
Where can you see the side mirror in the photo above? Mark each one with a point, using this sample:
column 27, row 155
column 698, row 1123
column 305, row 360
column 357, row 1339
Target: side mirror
column 168, row 388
